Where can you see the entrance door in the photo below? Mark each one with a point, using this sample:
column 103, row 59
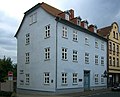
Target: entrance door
column 86, row 80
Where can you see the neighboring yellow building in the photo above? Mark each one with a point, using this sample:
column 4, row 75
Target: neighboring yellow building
column 113, row 36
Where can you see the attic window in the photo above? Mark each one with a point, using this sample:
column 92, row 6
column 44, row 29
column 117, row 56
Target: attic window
column 85, row 25
column 67, row 16
column 78, row 22
column 33, row 18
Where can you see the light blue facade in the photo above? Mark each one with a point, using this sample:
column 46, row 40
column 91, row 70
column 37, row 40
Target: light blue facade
column 55, row 65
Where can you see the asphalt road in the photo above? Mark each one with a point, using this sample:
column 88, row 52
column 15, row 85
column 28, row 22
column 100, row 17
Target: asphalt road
column 109, row 94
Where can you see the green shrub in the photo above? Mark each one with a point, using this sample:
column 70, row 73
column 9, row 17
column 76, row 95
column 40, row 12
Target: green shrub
column 5, row 94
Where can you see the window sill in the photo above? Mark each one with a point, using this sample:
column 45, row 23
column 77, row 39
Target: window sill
column 47, row 37
column 75, row 41
column 46, row 59
column 27, row 63
column 75, row 61
column 64, row 37
column 64, row 84
column 75, row 83
column 64, row 59
column 47, row 84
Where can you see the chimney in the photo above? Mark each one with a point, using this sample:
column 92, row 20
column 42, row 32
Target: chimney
column 84, row 24
column 93, row 28
column 71, row 13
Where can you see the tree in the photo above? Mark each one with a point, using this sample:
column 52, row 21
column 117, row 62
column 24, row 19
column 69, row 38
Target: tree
column 5, row 66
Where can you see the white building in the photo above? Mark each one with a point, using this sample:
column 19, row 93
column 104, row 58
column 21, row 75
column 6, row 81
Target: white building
column 58, row 52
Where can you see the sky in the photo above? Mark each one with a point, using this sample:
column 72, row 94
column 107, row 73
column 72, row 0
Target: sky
column 99, row 12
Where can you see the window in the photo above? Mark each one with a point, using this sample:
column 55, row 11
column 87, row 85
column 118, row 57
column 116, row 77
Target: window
column 96, row 78
column 78, row 22
column 113, row 61
column 102, row 46
column 110, row 60
column 87, row 58
column 102, row 60
column 64, row 53
column 46, row 78
column 27, row 58
column 117, row 50
column 113, row 34
column 21, row 82
column 27, row 39
column 47, row 31
column 74, row 55
column 117, row 36
column 102, row 79
column 85, row 25
column 21, row 71
column 47, row 53
column 75, row 36
column 110, row 46
column 67, row 16
column 117, row 62
column 96, row 59
column 64, row 78
column 27, row 79
column 74, row 78
column 86, row 41
column 96, row 43
column 33, row 18
column 113, row 49
column 64, row 34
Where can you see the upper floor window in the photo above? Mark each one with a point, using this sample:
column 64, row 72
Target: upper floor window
column 79, row 22
column 64, row 34
column 87, row 58
column 117, row 62
column 86, row 41
column 47, row 53
column 47, row 31
column 64, row 78
column 116, row 35
column 113, row 61
column 33, row 18
column 110, row 46
column 74, row 55
column 64, row 53
column 113, row 49
column 75, row 36
column 67, row 16
column 96, row 59
column 27, row 58
column 96, row 43
column 102, row 79
column 102, row 60
column 102, row 45
column 117, row 50
column 113, row 34
column 46, row 78
column 110, row 60
column 75, row 78
column 27, row 79
column 27, row 39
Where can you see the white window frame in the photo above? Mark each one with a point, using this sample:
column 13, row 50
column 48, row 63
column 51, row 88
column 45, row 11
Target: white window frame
column 75, row 79
column 96, row 60
column 46, row 78
column 64, row 53
column 96, row 78
column 86, row 58
column 102, row 60
column 86, row 40
column 102, row 46
column 33, row 18
column 27, row 41
column 64, row 78
column 110, row 60
column 67, row 17
column 27, row 79
column 96, row 43
column 75, row 36
column 47, row 31
column 27, row 56
column 75, row 56
column 64, row 32
column 47, row 53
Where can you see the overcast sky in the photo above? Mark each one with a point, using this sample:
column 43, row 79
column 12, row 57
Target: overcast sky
column 99, row 12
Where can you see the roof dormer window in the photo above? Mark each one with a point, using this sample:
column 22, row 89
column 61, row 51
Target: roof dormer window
column 67, row 16
column 78, row 22
column 85, row 25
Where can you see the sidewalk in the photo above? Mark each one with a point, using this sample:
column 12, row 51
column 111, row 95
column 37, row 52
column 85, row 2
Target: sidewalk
column 78, row 94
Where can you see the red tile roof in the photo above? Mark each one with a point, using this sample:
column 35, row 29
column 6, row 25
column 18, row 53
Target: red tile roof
column 104, row 31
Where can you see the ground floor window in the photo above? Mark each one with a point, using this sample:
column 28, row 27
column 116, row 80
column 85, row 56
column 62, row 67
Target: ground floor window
column 46, row 78
column 64, row 78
